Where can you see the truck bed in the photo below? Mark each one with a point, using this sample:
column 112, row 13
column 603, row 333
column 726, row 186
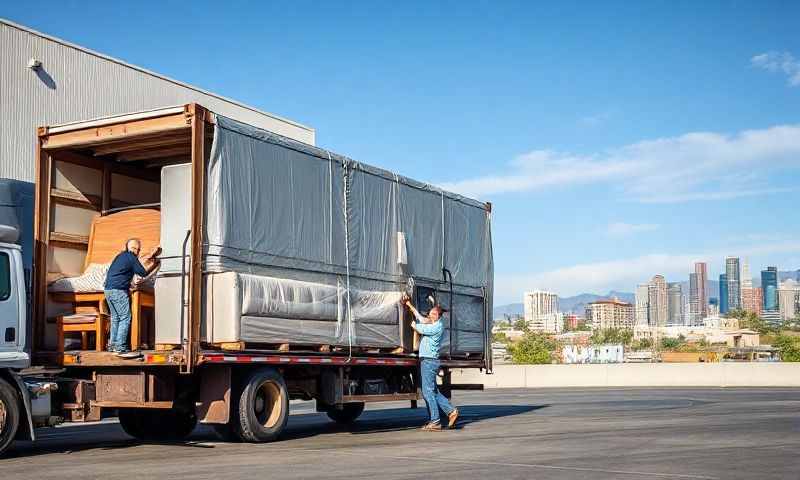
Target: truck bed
column 174, row 358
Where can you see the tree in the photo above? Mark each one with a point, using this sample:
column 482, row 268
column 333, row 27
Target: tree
column 521, row 324
column 533, row 348
column 669, row 343
column 791, row 324
column 500, row 337
column 751, row 321
column 611, row 336
column 789, row 347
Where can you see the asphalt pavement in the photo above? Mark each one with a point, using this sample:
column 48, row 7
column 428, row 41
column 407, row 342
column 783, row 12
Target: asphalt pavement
column 505, row 434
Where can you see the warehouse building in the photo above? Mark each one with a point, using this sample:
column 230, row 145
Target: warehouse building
column 46, row 81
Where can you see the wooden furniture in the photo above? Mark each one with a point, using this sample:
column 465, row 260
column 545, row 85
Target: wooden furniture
column 107, row 239
column 84, row 324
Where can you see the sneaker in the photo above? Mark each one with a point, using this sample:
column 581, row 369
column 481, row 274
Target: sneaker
column 432, row 427
column 452, row 418
column 129, row 354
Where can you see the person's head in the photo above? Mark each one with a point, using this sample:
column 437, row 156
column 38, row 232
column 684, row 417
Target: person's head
column 134, row 246
column 436, row 312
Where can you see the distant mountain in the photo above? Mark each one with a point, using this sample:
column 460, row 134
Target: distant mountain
column 510, row 309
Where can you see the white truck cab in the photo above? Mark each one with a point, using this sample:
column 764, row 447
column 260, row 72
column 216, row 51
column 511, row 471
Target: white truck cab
column 12, row 307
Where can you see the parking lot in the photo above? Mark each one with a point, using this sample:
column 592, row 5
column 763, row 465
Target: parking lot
column 508, row 433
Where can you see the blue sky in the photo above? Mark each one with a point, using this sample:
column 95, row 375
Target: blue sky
column 615, row 140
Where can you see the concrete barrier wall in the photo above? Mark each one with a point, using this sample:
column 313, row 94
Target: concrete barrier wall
column 636, row 375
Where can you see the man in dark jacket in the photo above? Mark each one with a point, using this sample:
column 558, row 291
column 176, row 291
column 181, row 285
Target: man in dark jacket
column 117, row 287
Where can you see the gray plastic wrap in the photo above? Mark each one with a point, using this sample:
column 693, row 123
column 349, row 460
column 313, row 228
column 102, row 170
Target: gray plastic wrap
column 355, row 234
column 277, row 297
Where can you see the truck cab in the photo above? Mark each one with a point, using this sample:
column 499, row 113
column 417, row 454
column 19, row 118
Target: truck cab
column 12, row 306
column 15, row 394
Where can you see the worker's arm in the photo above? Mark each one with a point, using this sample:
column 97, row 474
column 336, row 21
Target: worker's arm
column 152, row 260
column 417, row 315
column 150, row 263
column 428, row 328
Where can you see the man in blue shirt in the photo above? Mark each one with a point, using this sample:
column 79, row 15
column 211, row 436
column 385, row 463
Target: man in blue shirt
column 117, row 287
column 431, row 330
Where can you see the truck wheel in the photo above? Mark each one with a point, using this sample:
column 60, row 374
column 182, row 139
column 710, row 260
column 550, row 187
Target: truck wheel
column 347, row 414
column 157, row 425
column 9, row 414
column 261, row 410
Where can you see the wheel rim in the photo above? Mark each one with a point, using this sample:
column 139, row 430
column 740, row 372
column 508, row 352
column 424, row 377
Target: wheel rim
column 267, row 405
column 3, row 414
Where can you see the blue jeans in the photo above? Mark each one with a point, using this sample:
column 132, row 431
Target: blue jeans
column 430, row 392
column 120, row 306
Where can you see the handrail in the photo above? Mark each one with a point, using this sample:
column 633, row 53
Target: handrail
column 447, row 274
column 184, row 341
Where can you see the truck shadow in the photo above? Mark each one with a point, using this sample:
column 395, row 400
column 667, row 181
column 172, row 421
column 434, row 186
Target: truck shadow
column 398, row 419
column 108, row 436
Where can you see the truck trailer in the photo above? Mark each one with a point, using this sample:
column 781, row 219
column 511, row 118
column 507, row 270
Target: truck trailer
column 282, row 270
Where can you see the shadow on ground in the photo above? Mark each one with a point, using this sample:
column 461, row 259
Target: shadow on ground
column 109, row 436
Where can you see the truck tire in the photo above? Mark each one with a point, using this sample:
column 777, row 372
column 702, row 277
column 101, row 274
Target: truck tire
column 9, row 414
column 261, row 409
column 157, row 425
column 347, row 414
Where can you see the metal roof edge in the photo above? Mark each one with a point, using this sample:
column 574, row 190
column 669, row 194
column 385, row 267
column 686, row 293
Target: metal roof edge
column 51, row 38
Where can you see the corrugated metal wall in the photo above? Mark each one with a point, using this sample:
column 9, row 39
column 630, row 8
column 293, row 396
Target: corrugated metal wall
column 77, row 85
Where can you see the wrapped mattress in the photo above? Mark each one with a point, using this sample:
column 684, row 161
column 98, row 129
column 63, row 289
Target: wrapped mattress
column 261, row 309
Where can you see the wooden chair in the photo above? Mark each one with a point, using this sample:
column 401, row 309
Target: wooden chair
column 107, row 239
column 83, row 324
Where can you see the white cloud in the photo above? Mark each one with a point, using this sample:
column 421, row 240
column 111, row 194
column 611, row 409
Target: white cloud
column 622, row 229
column 622, row 274
column 690, row 167
column 780, row 62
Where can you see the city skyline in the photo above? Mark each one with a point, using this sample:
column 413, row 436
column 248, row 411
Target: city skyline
column 662, row 303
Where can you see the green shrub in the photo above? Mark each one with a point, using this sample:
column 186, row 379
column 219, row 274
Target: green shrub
column 789, row 347
column 533, row 348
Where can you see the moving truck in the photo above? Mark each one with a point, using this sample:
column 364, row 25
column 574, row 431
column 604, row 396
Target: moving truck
column 282, row 270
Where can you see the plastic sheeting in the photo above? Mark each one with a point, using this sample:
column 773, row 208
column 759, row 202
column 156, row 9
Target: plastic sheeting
column 276, row 205
column 276, row 309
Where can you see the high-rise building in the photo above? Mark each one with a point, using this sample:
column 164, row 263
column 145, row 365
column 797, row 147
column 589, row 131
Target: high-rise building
column 713, row 307
column 642, row 307
column 748, row 303
column 657, row 298
column 612, row 313
column 694, row 298
column 769, row 285
column 789, row 299
column 723, row 294
column 734, row 283
column 698, row 296
column 541, row 311
column 674, row 304
column 758, row 301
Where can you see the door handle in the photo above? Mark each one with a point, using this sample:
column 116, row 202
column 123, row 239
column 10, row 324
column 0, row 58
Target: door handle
column 11, row 334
